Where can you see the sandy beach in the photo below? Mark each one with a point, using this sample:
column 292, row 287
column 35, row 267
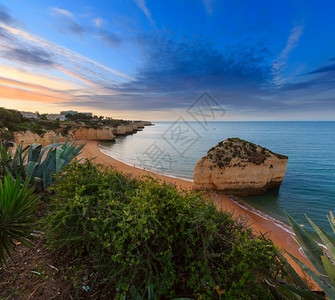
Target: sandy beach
column 259, row 224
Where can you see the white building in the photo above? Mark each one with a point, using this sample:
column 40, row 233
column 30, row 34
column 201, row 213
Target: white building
column 28, row 114
column 55, row 117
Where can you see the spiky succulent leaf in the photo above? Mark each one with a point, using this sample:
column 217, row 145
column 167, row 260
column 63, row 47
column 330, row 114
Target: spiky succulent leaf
column 295, row 276
column 330, row 269
column 310, row 247
column 17, row 209
column 331, row 220
column 298, row 293
column 326, row 239
column 323, row 282
column 34, row 152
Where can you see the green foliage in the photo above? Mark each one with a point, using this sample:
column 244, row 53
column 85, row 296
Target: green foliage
column 17, row 215
column 161, row 242
column 322, row 261
column 12, row 126
column 37, row 164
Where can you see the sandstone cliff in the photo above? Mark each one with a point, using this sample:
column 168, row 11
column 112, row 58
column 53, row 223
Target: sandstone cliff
column 29, row 137
column 78, row 132
column 238, row 167
column 81, row 133
column 100, row 134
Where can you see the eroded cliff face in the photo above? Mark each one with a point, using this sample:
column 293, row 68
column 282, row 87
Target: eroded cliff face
column 130, row 128
column 101, row 134
column 29, row 137
column 240, row 168
column 78, row 132
column 82, row 133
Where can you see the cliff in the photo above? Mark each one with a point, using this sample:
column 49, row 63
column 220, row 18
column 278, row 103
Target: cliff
column 29, row 137
column 238, row 167
column 100, row 134
column 78, row 132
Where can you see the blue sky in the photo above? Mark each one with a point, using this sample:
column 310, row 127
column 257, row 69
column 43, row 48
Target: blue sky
column 260, row 60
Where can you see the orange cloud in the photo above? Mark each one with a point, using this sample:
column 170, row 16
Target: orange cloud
column 8, row 92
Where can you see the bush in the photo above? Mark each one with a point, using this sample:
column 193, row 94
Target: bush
column 17, row 209
column 13, row 126
column 148, row 235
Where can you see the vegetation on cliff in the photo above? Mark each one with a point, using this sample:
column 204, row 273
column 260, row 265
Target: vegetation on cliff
column 13, row 121
column 143, row 236
column 224, row 153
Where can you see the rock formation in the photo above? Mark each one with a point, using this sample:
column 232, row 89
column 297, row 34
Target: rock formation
column 240, row 168
column 29, row 137
column 100, row 134
column 78, row 132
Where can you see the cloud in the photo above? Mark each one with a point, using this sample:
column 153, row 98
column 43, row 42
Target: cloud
column 38, row 51
column 110, row 38
column 74, row 27
column 68, row 22
column 62, row 12
column 208, row 6
column 5, row 17
column 175, row 72
column 329, row 68
column 68, row 25
column 142, row 6
column 31, row 56
column 5, row 35
column 280, row 62
column 195, row 62
column 98, row 22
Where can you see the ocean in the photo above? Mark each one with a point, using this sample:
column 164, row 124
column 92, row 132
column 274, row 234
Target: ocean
column 309, row 185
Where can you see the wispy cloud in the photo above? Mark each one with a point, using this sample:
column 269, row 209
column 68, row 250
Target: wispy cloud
column 19, row 47
column 62, row 12
column 98, row 22
column 325, row 69
column 5, row 17
column 280, row 62
column 142, row 5
column 111, row 39
column 208, row 6
column 31, row 55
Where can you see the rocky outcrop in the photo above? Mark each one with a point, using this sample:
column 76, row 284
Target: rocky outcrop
column 78, row 132
column 100, row 134
column 29, row 137
column 240, row 168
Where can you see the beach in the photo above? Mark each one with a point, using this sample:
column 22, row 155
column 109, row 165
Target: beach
column 260, row 224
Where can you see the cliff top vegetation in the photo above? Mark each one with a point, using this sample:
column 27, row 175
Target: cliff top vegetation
column 234, row 151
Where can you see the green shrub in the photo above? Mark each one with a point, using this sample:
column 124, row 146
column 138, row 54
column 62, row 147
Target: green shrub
column 12, row 126
column 17, row 215
column 147, row 235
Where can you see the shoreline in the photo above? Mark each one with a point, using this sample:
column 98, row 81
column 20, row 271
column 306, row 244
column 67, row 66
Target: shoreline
column 138, row 167
column 258, row 222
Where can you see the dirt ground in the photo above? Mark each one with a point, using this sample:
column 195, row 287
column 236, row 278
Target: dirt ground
column 37, row 273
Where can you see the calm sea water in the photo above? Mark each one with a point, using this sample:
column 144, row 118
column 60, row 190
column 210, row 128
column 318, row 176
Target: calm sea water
column 309, row 184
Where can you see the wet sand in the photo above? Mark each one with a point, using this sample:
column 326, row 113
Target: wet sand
column 258, row 223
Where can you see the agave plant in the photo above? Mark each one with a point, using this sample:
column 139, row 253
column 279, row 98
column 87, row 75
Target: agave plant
column 17, row 215
column 322, row 260
column 36, row 163
column 42, row 164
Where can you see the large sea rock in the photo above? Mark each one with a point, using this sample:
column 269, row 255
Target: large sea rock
column 237, row 167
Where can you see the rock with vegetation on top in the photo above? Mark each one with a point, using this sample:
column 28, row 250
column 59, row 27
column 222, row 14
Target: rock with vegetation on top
column 240, row 168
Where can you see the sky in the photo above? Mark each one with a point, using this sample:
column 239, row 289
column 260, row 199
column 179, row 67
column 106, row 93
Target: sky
column 152, row 60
